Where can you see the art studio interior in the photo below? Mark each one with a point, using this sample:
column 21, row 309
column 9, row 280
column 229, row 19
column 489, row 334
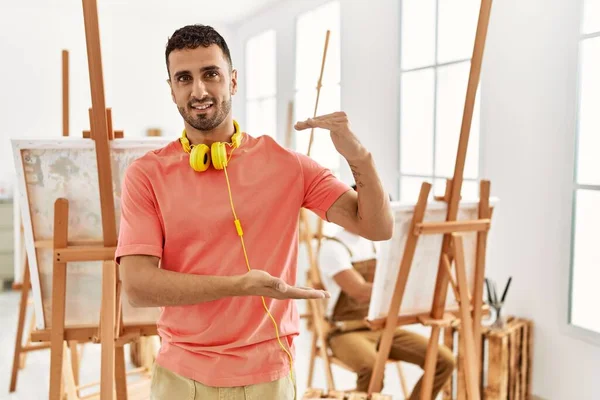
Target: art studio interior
column 299, row 199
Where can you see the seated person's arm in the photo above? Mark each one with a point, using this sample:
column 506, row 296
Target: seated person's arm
column 354, row 285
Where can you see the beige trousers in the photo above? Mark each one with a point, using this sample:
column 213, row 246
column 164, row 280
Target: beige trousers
column 167, row 385
column 358, row 350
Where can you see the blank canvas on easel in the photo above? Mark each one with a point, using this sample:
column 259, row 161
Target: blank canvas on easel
column 421, row 281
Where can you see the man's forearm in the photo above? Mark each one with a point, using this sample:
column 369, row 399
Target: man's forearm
column 157, row 287
column 373, row 202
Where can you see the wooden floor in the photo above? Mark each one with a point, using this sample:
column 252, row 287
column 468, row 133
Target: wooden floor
column 33, row 379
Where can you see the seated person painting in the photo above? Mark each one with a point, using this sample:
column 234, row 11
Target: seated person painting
column 347, row 265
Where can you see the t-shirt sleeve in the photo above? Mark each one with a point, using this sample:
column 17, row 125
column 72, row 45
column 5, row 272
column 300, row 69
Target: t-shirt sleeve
column 140, row 228
column 333, row 258
column 321, row 187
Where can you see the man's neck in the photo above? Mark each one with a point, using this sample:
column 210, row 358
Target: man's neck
column 221, row 133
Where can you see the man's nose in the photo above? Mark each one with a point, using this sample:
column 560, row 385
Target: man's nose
column 199, row 90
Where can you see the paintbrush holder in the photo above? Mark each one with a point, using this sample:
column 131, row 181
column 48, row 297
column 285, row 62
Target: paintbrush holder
column 499, row 319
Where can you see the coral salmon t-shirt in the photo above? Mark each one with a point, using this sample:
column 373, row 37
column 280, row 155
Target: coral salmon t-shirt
column 184, row 217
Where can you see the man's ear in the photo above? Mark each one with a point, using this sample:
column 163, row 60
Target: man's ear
column 233, row 82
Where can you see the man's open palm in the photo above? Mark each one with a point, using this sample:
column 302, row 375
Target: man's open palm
column 261, row 283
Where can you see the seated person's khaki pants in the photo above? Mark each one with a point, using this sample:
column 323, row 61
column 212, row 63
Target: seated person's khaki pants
column 358, row 350
column 167, row 385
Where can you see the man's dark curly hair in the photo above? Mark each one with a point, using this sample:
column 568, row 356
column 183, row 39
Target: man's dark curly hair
column 194, row 36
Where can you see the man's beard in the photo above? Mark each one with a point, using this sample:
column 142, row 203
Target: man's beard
column 204, row 122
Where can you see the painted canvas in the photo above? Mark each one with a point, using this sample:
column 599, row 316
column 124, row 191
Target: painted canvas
column 67, row 168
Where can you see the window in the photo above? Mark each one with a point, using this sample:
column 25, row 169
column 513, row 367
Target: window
column 436, row 44
column 311, row 28
column 261, row 85
column 584, row 294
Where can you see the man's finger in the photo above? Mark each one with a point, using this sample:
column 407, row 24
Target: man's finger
column 298, row 293
column 333, row 115
column 311, row 123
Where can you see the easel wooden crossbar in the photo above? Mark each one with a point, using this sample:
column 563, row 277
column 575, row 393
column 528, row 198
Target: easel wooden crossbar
column 452, row 251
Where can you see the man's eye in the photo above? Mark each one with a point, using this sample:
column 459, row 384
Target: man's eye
column 212, row 74
column 184, row 78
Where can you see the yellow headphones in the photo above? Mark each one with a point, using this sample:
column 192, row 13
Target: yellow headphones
column 201, row 155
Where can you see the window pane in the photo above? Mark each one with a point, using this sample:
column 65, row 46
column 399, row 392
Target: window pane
column 262, row 117
column 586, row 270
column 588, row 163
column 418, row 33
column 591, row 16
column 260, row 66
column 322, row 150
column 456, row 30
column 470, row 189
column 410, row 188
column 311, row 30
column 416, row 122
column 451, row 92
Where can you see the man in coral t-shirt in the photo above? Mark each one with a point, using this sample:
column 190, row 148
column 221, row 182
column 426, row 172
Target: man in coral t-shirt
column 179, row 248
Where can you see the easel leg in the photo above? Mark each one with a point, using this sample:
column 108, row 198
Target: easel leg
column 107, row 331
column 316, row 312
column 28, row 336
column 69, row 374
column 59, row 291
column 402, row 380
column 430, row 364
column 74, row 351
column 120, row 375
column 484, row 212
column 313, row 357
column 467, row 341
column 20, row 326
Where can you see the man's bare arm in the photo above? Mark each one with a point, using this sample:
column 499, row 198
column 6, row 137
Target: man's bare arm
column 367, row 213
column 147, row 285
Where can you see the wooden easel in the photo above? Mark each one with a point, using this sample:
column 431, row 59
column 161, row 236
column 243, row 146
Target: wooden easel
column 110, row 332
column 470, row 309
column 21, row 350
column 316, row 311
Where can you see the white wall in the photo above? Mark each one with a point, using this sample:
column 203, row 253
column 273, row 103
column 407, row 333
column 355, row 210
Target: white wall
column 370, row 101
column 529, row 116
column 32, row 36
column 528, row 120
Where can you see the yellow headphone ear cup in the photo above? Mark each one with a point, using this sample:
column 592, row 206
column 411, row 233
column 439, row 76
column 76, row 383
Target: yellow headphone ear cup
column 199, row 158
column 218, row 153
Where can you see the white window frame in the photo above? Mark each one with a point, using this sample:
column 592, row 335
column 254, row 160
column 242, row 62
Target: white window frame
column 587, row 335
column 261, row 98
column 435, row 66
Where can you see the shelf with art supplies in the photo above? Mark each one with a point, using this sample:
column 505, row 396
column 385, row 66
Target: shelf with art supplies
column 69, row 191
column 506, row 357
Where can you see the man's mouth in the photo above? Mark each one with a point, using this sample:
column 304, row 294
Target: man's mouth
column 202, row 107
